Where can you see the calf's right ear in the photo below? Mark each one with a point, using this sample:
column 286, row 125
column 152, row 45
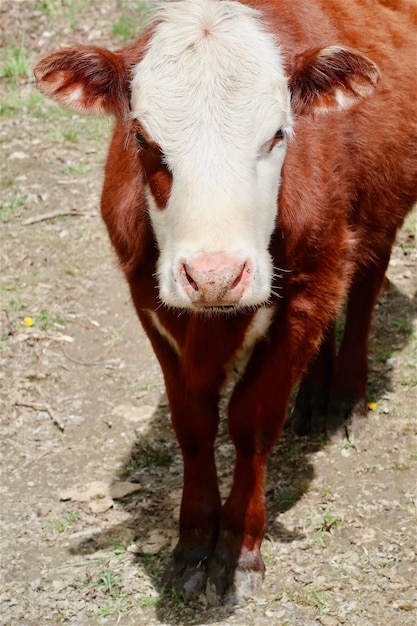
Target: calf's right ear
column 331, row 79
column 87, row 79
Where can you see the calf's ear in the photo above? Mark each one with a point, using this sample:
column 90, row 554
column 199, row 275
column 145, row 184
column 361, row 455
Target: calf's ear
column 86, row 79
column 330, row 79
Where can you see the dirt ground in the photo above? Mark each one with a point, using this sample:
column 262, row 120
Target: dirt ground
column 83, row 404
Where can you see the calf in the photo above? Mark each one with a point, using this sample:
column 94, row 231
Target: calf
column 262, row 160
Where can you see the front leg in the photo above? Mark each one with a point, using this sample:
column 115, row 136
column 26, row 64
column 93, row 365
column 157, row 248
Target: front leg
column 256, row 417
column 195, row 419
column 194, row 413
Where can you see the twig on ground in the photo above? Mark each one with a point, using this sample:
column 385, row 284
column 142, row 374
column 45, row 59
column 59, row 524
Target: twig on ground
column 12, row 330
column 36, row 406
column 49, row 216
column 85, row 363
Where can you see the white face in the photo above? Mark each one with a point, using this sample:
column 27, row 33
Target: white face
column 211, row 93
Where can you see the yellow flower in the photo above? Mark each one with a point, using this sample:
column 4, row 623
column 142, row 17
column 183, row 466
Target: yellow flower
column 372, row 406
column 28, row 322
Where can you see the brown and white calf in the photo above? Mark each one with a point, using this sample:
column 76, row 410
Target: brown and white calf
column 263, row 158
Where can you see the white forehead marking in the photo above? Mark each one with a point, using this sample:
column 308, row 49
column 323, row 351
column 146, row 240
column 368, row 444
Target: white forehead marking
column 211, row 83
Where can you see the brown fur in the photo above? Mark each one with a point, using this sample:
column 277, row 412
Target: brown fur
column 349, row 179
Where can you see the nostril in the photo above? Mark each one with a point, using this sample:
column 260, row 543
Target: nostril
column 189, row 278
column 239, row 277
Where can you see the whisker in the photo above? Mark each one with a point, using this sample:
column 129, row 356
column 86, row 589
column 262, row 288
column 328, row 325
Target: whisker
column 281, row 269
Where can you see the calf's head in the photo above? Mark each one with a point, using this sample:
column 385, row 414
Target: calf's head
column 209, row 107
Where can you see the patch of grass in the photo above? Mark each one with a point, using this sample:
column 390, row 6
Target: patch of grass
column 152, row 565
column 328, row 522
column 148, row 601
column 70, row 136
column 309, row 596
column 75, row 170
column 177, row 598
column 293, row 452
column 60, row 524
column 147, row 455
column 120, row 548
column 15, row 64
column 114, row 608
column 14, row 304
column 108, row 582
column 382, row 356
column 403, row 325
column 115, row 336
column 375, row 468
column 11, row 208
column 45, row 320
column 70, row 10
column 140, row 388
column 350, row 443
column 124, row 28
column 16, row 101
column 288, row 496
column 130, row 24
column 401, row 466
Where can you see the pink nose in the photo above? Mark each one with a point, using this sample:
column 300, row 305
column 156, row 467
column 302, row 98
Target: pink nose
column 215, row 279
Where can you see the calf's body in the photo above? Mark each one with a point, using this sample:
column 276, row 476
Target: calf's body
column 260, row 166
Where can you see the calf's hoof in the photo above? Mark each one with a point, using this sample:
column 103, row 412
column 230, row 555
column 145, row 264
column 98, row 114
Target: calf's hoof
column 191, row 583
column 346, row 420
column 231, row 586
column 307, row 416
column 187, row 580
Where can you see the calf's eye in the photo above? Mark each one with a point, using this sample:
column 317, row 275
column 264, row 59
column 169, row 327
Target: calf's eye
column 276, row 139
column 141, row 140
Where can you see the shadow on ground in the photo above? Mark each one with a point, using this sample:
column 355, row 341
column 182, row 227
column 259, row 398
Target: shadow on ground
column 155, row 463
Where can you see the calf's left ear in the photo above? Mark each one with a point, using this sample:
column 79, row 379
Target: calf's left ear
column 87, row 79
column 330, row 79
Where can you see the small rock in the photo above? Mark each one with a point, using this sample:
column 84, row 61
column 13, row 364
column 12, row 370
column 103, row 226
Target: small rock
column 328, row 620
column 18, row 156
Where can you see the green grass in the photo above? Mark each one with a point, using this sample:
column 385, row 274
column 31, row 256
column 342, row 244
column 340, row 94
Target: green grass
column 67, row 519
column 124, row 28
column 11, row 208
column 114, row 608
column 146, row 455
column 108, row 582
column 148, row 601
column 309, row 596
column 72, row 10
column 290, row 495
column 45, row 320
column 16, row 102
column 75, row 170
column 130, row 22
column 15, row 64
column 328, row 522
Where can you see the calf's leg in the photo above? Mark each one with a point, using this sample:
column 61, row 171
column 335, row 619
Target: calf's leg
column 195, row 419
column 309, row 412
column 347, row 406
column 256, row 416
column 195, row 424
